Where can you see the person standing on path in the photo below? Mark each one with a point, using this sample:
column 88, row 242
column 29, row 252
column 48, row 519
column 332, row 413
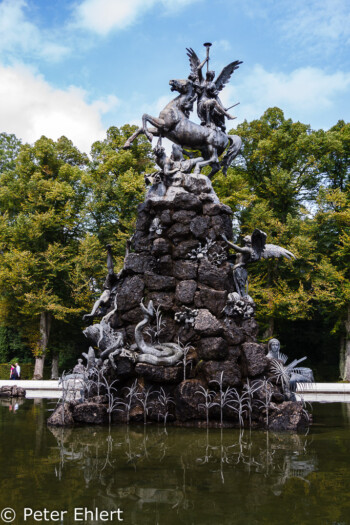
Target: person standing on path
column 13, row 373
column 18, row 370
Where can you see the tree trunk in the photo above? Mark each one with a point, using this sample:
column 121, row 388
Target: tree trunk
column 45, row 326
column 54, row 367
column 270, row 329
column 345, row 351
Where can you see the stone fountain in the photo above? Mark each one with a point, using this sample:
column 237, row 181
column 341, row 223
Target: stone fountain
column 177, row 324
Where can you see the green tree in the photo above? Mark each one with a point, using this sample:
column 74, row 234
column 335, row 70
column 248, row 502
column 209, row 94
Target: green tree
column 42, row 204
column 299, row 179
column 115, row 183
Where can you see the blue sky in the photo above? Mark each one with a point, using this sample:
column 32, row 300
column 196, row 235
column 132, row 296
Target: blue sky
column 78, row 67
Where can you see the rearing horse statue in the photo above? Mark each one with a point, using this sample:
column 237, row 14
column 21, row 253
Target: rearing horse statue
column 173, row 123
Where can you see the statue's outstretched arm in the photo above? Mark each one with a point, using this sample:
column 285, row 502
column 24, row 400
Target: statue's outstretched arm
column 200, row 66
column 234, row 246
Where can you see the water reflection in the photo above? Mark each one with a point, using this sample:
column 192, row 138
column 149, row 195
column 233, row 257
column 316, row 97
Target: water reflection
column 191, row 476
column 100, row 456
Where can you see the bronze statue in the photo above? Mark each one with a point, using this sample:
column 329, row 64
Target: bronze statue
column 173, row 121
column 254, row 249
column 210, row 109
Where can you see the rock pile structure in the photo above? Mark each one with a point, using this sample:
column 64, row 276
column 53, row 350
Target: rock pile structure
column 180, row 262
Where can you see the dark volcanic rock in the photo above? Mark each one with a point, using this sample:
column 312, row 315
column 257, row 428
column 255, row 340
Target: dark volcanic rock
column 216, row 208
column 250, row 328
column 143, row 221
column 12, row 391
column 100, row 400
column 178, row 231
column 206, row 324
column 165, row 300
column 187, row 201
column 157, row 282
column 61, row 417
column 184, row 216
column 125, row 367
column 213, row 300
column 254, row 359
column 169, row 332
column 217, row 277
column 187, row 399
column 185, row 269
column 141, row 241
column 159, row 374
column 212, row 348
column 211, row 371
column 165, row 218
column 133, row 316
column 199, row 227
column 288, row 416
column 233, row 332
column 139, row 262
column 222, row 224
column 130, row 293
column 164, row 265
column 91, row 413
column 182, row 250
column 185, row 291
column 161, row 247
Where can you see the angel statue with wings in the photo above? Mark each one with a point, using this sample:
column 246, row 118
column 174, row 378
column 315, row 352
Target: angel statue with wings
column 254, row 249
column 210, row 109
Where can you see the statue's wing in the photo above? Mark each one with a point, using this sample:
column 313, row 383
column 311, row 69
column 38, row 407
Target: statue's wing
column 258, row 241
column 272, row 250
column 226, row 73
column 194, row 63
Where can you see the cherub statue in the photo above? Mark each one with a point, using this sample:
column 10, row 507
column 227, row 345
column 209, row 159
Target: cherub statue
column 210, row 109
column 254, row 249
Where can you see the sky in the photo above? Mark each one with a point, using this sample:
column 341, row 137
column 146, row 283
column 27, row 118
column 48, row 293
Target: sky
column 74, row 68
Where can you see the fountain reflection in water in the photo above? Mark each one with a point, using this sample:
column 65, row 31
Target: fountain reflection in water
column 172, row 475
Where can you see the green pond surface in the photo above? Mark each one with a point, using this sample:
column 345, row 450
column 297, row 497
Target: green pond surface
column 174, row 475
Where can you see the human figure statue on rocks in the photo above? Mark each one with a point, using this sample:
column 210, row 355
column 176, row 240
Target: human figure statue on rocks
column 171, row 165
column 79, row 367
column 254, row 249
column 106, row 299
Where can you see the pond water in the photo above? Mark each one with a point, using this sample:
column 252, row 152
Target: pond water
column 174, row 475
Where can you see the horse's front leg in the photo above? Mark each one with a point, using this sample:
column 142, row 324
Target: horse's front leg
column 132, row 138
column 213, row 158
column 158, row 123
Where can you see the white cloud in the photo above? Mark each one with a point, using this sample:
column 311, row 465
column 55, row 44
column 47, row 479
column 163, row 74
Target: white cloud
column 18, row 34
column 317, row 21
column 102, row 16
column 222, row 44
column 318, row 26
column 30, row 107
column 305, row 93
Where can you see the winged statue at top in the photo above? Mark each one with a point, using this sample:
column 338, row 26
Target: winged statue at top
column 173, row 123
column 210, row 109
column 254, row 249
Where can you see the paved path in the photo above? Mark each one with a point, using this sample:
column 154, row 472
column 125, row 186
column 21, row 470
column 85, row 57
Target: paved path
column 43, row 388
column 322, row 392
column 325, row 392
